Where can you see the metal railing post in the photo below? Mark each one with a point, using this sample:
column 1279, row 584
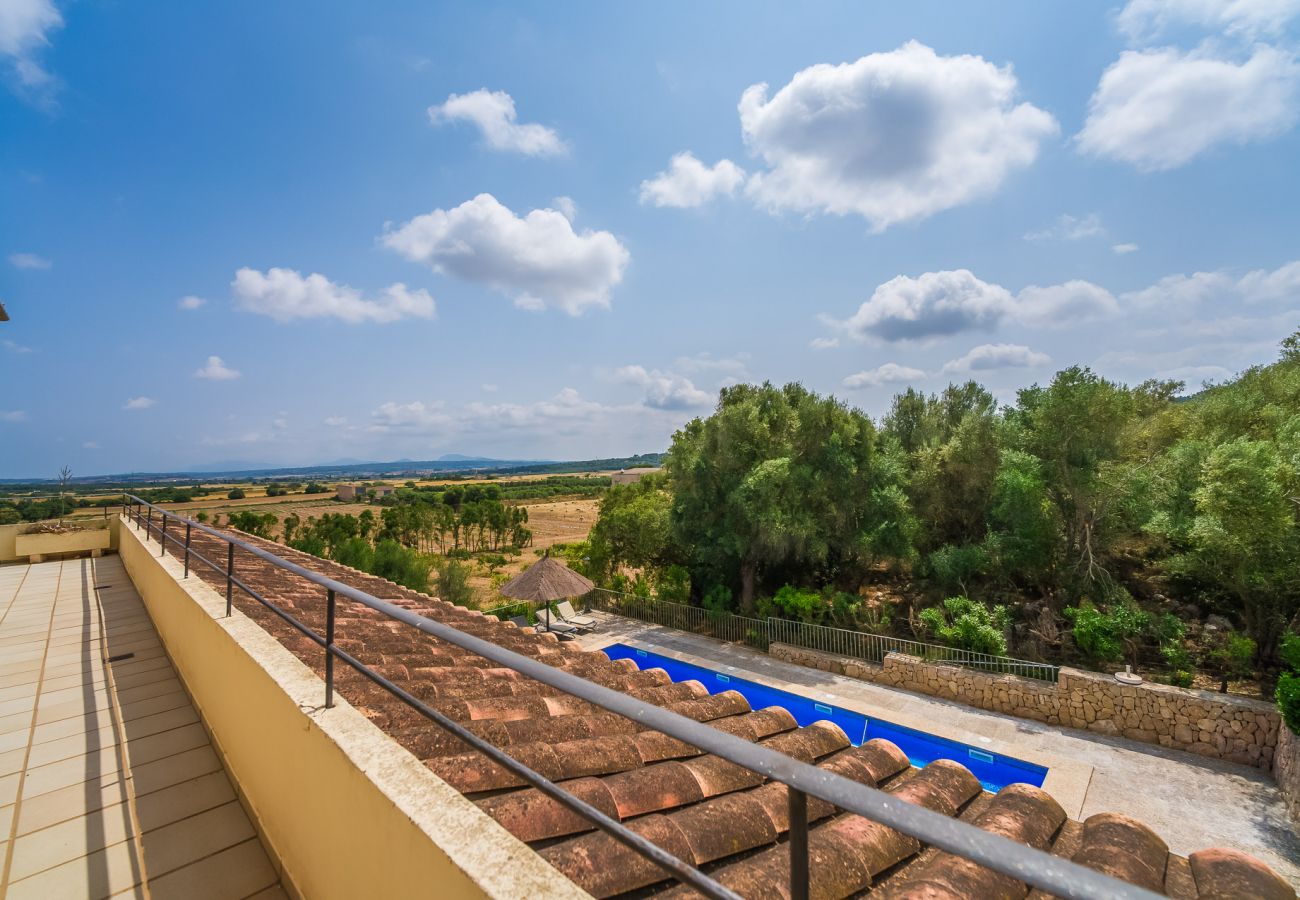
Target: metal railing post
column 329, row 649
column 148, row 525
column 187, row 549
column 162, row 536
column 230, row 576
column 798, row 844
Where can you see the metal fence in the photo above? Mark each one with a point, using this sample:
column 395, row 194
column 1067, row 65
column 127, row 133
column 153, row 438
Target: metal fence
column 759, row 633
column 1053, row 874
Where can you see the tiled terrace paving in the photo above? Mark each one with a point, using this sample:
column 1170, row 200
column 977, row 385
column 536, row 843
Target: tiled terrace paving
column 705, row 810
column 108, row 784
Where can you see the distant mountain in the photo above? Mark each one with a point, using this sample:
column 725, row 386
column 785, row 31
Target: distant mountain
column 449, row 465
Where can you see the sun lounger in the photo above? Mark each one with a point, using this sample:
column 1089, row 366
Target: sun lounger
column 567, row 614
column 556, row 625
column 521, row 621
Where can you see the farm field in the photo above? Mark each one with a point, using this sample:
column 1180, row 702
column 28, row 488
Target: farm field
column 553, row 522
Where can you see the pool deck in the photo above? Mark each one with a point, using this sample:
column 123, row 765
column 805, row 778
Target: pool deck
column 1190, row 801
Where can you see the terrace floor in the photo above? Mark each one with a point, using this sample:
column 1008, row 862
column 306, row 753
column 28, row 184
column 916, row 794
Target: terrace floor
column 1190, row 801
column 108, row 783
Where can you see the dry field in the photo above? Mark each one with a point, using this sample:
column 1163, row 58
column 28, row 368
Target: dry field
column 551, row 521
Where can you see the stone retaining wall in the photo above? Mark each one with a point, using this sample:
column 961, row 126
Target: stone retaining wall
column 1222, row 726
column 1286, row 769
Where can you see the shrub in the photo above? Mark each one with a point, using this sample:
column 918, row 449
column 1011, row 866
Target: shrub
column 453, row 583
column 1288, row 684
column 717, row 599
column 969, row 625
column 792, row 603
column 404, row 566
column 954, row 566
column 673, row 583
column 1289, row 652
column 1230, row 656
column 1288, row 699
column 236, row 494
column 357, row 553
column 1104, row 636
column 315, row 488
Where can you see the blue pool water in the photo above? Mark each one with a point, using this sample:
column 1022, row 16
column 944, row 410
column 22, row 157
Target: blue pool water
column 993, row 770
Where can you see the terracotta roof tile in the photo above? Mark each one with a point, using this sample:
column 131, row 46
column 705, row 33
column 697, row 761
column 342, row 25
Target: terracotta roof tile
column 1125, row 848
column 701, row 808
column 1221, row 874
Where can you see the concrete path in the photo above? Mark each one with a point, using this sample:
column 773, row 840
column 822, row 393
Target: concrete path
column 1190, row 801
column 108, row 784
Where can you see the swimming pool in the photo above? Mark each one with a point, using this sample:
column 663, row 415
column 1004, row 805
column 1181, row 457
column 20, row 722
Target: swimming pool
column 993, row 770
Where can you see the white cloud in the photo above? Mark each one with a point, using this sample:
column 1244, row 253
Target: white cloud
column 14, row 347
column 1145, row 19
column 13, row 415
column 190, row 302
column 1180, row 292
column 940, row 304
column 707, row 362
column 415, row 416
column 90, row 445
column 1158, row 109
column 24, row 31
column 285, row 295
column 139, row 403
column 1069, row 228
column 891, row 137
column 665, row 390
column 1073, row 301
column 566, row 206
column 824, row 343
column 539, row 259
column 1123, row 249
column 335, row 421
column 996, row 356
column 935, row 304
column 566, row 411
column 689, row 182
column 493, row 112
column 216, row 370
column 29, row 261
column 489, row 388
column 889, row 373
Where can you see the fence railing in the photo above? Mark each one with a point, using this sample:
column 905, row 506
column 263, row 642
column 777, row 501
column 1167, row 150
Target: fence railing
column 759, row 633
column 1053, row 874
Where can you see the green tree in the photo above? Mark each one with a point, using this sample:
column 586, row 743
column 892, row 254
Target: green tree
column 633, row 527
column 1075, row 427
column 1244, row 539
column 780, row 483
column 235, row 494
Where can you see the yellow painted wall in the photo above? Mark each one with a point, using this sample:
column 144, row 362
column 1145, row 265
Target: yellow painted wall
column 346, row 811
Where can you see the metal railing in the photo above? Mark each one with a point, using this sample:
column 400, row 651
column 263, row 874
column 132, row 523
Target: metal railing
column 1037, row 868
column 759, row 633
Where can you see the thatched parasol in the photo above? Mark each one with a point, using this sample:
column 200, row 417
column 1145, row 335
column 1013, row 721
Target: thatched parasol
column 546, row 581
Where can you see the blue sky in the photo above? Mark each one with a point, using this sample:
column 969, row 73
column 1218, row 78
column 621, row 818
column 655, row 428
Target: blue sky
column 291, row 233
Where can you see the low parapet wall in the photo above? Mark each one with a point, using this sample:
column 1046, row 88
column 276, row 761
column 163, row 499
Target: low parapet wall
column 344, row 809
column 1222, row 726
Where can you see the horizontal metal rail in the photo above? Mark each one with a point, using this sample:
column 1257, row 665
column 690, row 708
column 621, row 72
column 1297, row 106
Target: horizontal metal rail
column 1037, row 868
column 825, row 638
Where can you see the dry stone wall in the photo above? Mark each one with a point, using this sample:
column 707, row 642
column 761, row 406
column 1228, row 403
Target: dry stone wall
column 1286, row 769
column 1222, row 726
